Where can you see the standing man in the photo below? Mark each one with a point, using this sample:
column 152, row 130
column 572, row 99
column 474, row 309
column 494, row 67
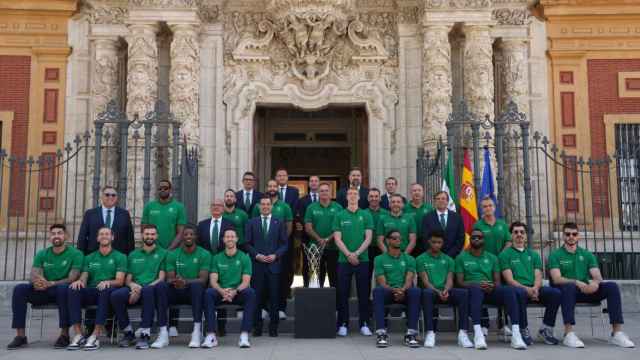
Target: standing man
column 479, row 272
column 376, row 212
column 248, row 197
column 522, row 269
column 187, row 272
column 397, row 220
column 310, row 198
column 266, row 243
column 447, row 221
column 236, row 216
column 103, row 271
column 574, row 270
column 230, row 281
column 167, row 214
column 290, row 195
column 144, row 284
column 318, row 222
column 54, row 268
column 435, row 274
column 286, row 193
column 353, row 231
column 107, row 214
column 395, row 272
column 497, row 236
column 391, row 186
column 211, row 231
column 419, row 208
column 354, row 180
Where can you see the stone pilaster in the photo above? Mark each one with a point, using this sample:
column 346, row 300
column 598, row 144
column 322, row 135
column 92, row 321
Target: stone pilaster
column 142, row 66
column 515, row 80
column 104, row 84
column 184, row 79
column 478, row 70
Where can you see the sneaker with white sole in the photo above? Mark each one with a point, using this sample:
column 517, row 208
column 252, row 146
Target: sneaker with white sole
column 365, row 331
column 195, row 340
column 621, row 339
column 485, row 331
column 240, row 314
column 572, row 340
column 382, row 340
column 282, row 315
column 342, row 331
column 546, row 334
column 411, row 341
column 430, row 340
column 77, row 342
column 210, row 341
column 173, row 331
column 92, row 344
column 517, row 342
column 479, row 342
column 463, row 340
column 506, row 331
column 264, row 314
column 244, row 341
column 161, row 341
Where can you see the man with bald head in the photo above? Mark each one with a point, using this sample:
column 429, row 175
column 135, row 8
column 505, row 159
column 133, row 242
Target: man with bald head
column 211, row 230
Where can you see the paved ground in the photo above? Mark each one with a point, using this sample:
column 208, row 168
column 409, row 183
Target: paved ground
column 353, row 347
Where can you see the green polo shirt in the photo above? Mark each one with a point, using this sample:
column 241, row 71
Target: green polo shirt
column 352, row 227
column 375, row 215
column 188, row 266
column 321, row 217
column 573, row 266
column 57, row 266
column 144, row 267
column 418, row 215
column 495, row 236
column 437, row 268
column 404, row 223
column 394, row 269
column 104, row 267
column 230, row 268
column 522, row 264
column 239, row 219
column 280, row 210
column 166, row 217
column 477, row 269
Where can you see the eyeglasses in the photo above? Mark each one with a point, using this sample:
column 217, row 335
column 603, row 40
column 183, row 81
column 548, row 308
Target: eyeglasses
column 574, row 234
column 247, row 179
column 110, row 194
column 163, row 188
column 476, row 237
column 394, row 237
column 521, row 232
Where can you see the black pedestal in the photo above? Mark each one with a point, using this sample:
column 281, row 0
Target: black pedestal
column 315, row 316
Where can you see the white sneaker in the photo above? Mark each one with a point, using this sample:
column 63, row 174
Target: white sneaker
column 173, row 331
column 161, row 341
column 210, row 341
column 138, row 332
column 365, row 331
column 240, row 314
column 463, row 340
column 621, row 339
column 517, row 342
column 485, row 331
column 430, row 340
column 77, row 342
column 265, row 314
column 282, row 315
column 92, row 344
column 244, row 341
column 342, row 331
column 572, row 340
column 195, row 340
column 479, row 341
column 506, row 331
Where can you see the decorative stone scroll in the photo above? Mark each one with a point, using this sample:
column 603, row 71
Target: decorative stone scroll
column 184, row 86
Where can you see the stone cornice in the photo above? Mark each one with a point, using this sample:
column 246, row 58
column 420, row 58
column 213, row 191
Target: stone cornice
column 65, row 6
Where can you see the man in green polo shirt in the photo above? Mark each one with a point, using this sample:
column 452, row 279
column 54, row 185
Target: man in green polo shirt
column 395, row 272
column 230, row 281
column 479, row 272
column 167, row 214
column 522, row 269
column 103, row 271
column 144, row 284
column 419, row 208
column 376, row 211
column 54, row 268
column 238, row 217
column 397, row 220
column 353, row 231
column 496, row 232
column 574, row 270
column 318, row 224
column 435, row 274
column 187, row 270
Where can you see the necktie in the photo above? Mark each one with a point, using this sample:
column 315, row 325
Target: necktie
column 443, row 221
column 264, row 227
column 247, row 200
column 282, row 193
column 214, row 236
column 313, row 196
column 108, row 221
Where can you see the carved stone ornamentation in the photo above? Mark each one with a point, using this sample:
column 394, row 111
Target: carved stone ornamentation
column 409, row 15
column 511, row 16
column 184, row 79
column 436, row 82
column 142, row 69
column 515, row 80
column 164, row 3
column 104, row 86
column 103, row 14
column 457, row 4
column 478, row 70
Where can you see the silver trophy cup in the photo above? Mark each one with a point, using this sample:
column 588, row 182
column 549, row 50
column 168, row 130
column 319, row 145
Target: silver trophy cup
column 313, row 252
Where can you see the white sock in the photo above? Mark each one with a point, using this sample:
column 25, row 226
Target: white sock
column 244, row 333
column 412, row 332
column 196, row 327
column 146, row 331
column 128, row 328
column 163, row 330
column 477, row 329
column 515, row 328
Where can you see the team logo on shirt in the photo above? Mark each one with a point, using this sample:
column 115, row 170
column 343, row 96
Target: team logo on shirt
column 486, row 261
column 110, row 261
column 237, row 262
column 64, row 262
column 195, row 260
column 580, row 258
column 402, row 263
column 442, row 262
column 155, row 256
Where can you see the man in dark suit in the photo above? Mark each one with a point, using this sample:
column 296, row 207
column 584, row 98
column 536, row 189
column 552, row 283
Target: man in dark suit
column 355, row 180
column 266, row 243
column 303, row 204
column 448, row 221
column 290, row 195
column 248, row 197
column 109, row 215
column 391, row 186
column 216, row 225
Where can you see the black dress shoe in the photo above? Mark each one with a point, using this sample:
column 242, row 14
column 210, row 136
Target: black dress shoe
column 62, row 342
column 273, row 332
column 17, row 343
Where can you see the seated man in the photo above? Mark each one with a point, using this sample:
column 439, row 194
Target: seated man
column 187, row 272
column 395, row 271
column 103, row 271
column 146, row 286
column 522, row 269
column 435, row 275
column 230, row 278
column 54, row 268
column 575, row 272
column 479, row 272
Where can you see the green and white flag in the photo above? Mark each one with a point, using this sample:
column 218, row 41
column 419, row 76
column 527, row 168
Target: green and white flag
column 448, row 183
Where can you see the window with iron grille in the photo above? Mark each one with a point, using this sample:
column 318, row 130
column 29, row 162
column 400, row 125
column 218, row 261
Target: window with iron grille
column 628, row 170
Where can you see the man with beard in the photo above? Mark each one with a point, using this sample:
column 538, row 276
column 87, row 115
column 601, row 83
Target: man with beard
column 167, row 214
column 479, row 272
column 419, row 208
column 235, row 215
column 397, row 220
column 355, row 181
column 391, row 186
column 103, row 271
column 145, row 285
column 54, row 268
column 376, row 211
column 187, row 271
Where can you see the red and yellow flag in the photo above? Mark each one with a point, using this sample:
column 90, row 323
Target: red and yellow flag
column 468, row 201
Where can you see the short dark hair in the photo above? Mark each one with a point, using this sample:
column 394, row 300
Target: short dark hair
column 191, row 227
column 436, row 233
column 144, row 227
column 310, row 176
column 106, row 227
column 441, row 192
column 232, row 191
column 391, row 178
column 58, row 226
column 388, row 234
column 355, row 168
column 230, row 229
column 398, row 196
column 375, row 189
column 265, row 196
column 165, row 181
column 516, row 224
column 249, row 173
column 281, row 168
column 570, row 225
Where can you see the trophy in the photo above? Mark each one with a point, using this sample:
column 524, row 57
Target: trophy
column 313, row 252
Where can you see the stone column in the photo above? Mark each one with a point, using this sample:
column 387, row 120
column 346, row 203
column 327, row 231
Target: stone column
column 436, row 82
column 515, row 79
column 142, row 68
column 478, row 70
column 184, row 79
column 104, row 84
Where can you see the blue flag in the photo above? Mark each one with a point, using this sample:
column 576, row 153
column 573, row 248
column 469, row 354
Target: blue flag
column 487, row 188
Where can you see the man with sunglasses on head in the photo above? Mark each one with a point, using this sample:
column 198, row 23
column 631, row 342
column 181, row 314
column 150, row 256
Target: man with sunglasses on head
column 574, row 270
